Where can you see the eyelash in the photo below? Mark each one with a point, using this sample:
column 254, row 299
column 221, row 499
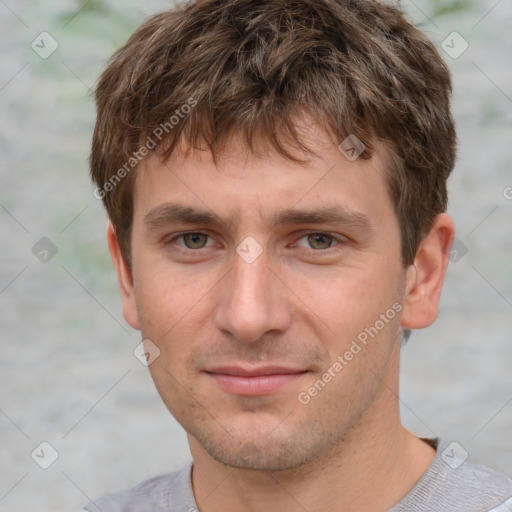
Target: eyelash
column 338, row 240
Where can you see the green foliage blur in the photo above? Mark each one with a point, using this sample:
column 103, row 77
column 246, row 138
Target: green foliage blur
column 442, row 7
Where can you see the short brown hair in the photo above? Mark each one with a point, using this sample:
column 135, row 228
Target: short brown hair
column 252, row 67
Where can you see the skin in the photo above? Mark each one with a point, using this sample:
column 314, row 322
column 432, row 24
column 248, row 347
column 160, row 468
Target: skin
column 301, row 303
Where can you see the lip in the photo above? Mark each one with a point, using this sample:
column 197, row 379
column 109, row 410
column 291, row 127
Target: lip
column 261, row 381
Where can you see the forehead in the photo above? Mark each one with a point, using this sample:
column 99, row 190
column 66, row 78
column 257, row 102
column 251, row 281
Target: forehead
column 237, row 183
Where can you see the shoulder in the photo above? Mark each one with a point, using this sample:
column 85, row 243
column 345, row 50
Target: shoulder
column 169, row 492
column 452, row 483
column 488, row 489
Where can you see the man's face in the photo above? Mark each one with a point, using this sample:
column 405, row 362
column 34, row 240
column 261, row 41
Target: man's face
column 284, row 266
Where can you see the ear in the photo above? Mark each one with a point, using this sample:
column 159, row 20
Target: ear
column 124, row 278
column 425, row 277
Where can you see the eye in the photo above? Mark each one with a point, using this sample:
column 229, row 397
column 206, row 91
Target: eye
column 317, row 241
column 192, row 240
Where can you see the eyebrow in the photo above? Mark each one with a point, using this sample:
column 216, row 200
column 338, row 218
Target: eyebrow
column 325, row 215
column 172, row 213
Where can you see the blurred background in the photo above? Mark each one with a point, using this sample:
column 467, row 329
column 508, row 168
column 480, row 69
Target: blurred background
column 69, row 378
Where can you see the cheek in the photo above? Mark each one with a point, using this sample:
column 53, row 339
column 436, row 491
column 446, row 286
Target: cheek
column 166, row 296
column 345, row 300
column 174, row 308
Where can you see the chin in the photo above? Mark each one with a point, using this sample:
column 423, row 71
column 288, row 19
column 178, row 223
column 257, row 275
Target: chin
column 264, row 452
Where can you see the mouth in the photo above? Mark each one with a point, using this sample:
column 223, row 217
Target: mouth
column 262, row 381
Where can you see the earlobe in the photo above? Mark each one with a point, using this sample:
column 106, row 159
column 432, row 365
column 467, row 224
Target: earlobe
column 425, row 277
column 124, row 278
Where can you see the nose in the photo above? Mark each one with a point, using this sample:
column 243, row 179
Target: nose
column 253, row 301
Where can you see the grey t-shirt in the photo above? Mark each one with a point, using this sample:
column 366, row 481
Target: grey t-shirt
column 450, row 484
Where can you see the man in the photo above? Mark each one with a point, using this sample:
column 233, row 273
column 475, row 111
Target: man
column 275, row 178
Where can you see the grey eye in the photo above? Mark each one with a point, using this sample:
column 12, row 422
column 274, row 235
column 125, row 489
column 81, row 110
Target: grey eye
column 195, row 240
column 320, row 240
